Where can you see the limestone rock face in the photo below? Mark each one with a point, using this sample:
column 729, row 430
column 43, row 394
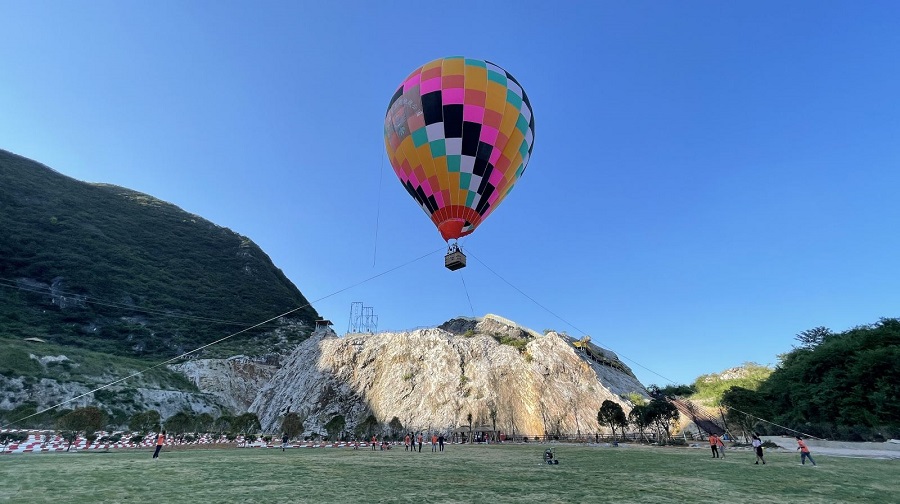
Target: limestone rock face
column 432, row 379
column 235, row 381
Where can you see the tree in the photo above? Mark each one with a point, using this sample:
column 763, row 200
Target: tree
column 366, row 428
column 492, row 413
column 640, row 418
column 662, row 414
column 145, row 421
column 87, row 420
column 814, row 337
column 744, row 407
column 223, row 423
column 611, row 415
column 246, row 423
column 204, row 422
column 335, row 427
column 396, row 427
column 181, row 422
column 292, row 425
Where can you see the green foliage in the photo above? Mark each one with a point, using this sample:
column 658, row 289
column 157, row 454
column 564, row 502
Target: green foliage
column 635, row 398
column 181, row 422
column 366, row 428
column 662, row 415
column 812, row 338
column 84, row 366
column 517, row 343
column 223, row 423
column 335, row 426
column 844, row 387
column 292, row 425
column 131, row 275
column 672, row 390
column 145, row 421
column 612, row 415
column 710, row 388
column 12, row 437
column 246, row 422
column 87, row 420
column 395, row 426
column 17, row 362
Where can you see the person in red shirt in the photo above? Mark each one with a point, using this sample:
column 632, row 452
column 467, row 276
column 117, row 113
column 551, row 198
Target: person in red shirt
column 714, row 445
column 160, row 441
column 804, row 452
column 420, row 442
column 406, row 443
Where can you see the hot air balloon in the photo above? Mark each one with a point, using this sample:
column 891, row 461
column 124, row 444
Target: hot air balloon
column 459, row 133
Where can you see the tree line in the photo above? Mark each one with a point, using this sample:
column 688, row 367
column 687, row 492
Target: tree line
column 831, row 385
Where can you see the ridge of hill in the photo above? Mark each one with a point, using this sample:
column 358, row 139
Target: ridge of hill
column 109, row 269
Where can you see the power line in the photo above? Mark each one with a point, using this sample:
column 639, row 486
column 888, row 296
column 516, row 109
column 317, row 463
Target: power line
column 138, row 373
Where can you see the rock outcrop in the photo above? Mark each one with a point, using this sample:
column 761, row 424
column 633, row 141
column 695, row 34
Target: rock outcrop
column 235, row 381
column 433, row 379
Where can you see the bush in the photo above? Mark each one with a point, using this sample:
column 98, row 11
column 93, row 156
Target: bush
column 136, row 439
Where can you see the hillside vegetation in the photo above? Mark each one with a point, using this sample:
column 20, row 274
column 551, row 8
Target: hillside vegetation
column 835, row 385
column 117, row 271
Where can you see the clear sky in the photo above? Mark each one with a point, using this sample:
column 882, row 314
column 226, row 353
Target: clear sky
column 708, row 178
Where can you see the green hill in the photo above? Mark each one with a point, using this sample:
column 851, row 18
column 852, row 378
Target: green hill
column 109, row 269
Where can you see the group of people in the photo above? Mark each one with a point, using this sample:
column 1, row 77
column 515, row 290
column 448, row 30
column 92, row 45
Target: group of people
column 409, row 442
column 718, row 449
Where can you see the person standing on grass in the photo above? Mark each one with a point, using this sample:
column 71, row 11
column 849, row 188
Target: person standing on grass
column 284, row 441
column 721, row 446
column 804, row 452
column 433, row 442
column 714, row 445
column 757, row 445
column 441, row 443
column 374, row 442
column 406, row 443
column 161, row 440
column 420, row 442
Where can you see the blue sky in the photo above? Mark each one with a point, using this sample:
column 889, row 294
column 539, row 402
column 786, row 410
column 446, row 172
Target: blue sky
column 708, row 178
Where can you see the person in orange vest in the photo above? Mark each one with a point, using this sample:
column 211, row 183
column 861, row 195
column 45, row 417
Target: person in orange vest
column 804, row 452
column 714, row 445
column 433, row 442
column 721, row 446
column 406, row 443
column 161, row 440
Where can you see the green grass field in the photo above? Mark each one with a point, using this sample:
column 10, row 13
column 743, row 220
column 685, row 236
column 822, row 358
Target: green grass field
column 463, row 474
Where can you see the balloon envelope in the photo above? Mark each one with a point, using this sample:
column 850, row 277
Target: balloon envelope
column 459, row 133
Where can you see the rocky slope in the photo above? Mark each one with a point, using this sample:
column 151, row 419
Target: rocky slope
column 434, row 378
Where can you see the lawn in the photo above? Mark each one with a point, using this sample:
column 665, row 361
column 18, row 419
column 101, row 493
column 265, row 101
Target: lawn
column 465, row 474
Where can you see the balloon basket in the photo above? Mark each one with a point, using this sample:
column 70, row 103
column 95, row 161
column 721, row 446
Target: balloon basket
column 455, row 259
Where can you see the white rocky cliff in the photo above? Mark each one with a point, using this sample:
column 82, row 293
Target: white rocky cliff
column 435, row 378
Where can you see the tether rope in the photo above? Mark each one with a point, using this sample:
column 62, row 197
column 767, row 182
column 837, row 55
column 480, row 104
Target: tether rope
column 551, row 312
